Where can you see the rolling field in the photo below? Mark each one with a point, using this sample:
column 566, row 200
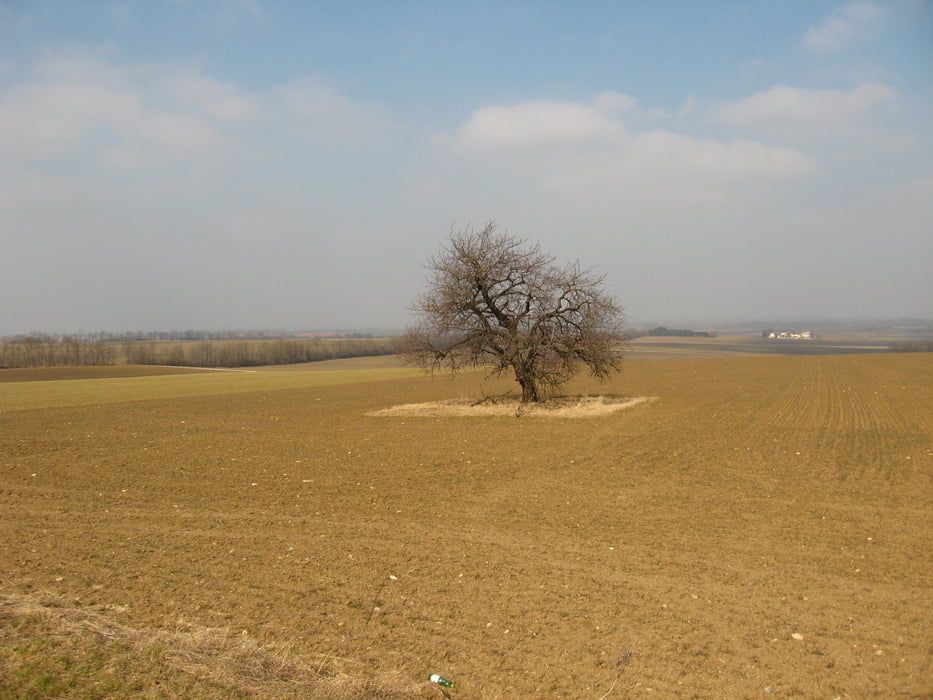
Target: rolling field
column 763, row 528
column 656, row 347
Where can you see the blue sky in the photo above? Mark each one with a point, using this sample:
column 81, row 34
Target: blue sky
column 233, row 164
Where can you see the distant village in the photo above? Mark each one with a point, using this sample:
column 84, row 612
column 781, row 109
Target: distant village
column 789, row 335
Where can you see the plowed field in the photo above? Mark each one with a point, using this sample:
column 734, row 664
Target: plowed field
column 762, row 528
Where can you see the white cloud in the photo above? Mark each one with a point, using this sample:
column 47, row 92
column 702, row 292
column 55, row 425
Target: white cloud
column 533, row 125
column 613, row 102
column 158, row 137
column 689, row 108
column 42, row 120
column 91, row 111
column 221, row 101
column 688, row 156
column 846, row 25
column 665, row 169
column 316, row 112
column 573, row 148
column 802, row 114
column 116, row 116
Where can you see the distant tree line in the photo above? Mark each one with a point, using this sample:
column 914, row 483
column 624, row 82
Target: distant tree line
column 253, row 353
column 912, row 346
column 130, row 336
column 678, row 332
column 44, row 350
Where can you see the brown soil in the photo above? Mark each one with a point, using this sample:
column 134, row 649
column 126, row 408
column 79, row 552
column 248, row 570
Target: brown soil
column 40, row 374
column 762, row 529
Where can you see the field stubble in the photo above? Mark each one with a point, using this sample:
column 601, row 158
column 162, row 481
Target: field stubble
column 764, row 524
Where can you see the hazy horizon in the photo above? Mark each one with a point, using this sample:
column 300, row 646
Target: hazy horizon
column 248, row 164
column 843, row 325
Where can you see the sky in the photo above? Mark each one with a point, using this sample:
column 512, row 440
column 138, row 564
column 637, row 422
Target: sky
column 273, row 164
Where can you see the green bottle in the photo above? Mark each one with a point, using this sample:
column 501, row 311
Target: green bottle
column 440, row 680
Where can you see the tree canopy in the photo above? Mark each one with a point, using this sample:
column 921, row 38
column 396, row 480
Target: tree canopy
column 496, row 300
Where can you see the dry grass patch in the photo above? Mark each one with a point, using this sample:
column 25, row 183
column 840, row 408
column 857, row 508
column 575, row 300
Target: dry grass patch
column 564, row 407
column 49, row 649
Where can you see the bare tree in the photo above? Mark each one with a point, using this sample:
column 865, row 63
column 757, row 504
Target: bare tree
column 496, row 300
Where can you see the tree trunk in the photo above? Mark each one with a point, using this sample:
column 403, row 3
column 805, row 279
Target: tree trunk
column 529, row 388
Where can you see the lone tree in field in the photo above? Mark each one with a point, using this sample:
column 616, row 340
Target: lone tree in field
column 496, row 300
